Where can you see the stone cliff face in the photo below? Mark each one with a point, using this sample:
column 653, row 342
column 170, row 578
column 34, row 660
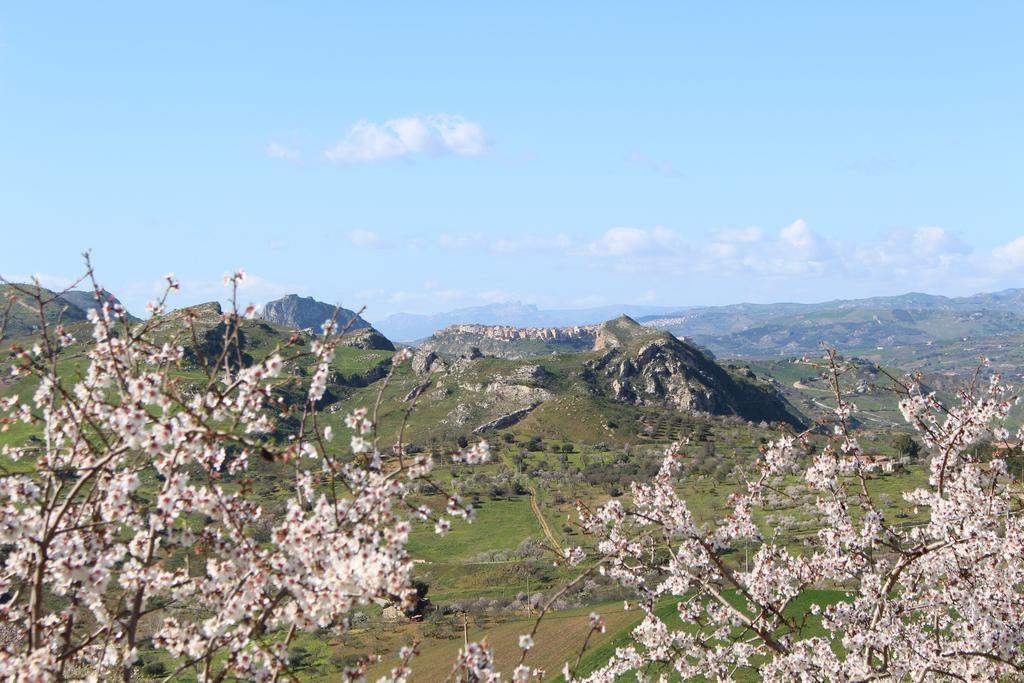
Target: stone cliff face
column 306, row 312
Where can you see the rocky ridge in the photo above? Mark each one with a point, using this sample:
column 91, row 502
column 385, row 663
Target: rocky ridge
column 69, row 307
column 626, row 363
column 668, row 373
column 505, row 341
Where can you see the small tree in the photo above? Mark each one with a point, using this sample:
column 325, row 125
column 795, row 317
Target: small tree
column 906, row 446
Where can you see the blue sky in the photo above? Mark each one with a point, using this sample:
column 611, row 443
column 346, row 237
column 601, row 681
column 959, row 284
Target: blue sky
column 426, row 156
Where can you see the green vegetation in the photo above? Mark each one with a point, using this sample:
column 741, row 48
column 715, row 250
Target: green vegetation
column 580, row 440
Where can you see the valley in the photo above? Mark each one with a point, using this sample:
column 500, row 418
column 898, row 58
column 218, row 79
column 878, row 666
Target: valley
column 573, row 416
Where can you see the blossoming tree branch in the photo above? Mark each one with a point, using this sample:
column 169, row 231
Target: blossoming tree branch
column 132, row 520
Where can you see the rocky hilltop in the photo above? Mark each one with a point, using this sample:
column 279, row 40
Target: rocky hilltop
column 302, row 313
column 70, row 307
column 654, row 369
column 623, row 375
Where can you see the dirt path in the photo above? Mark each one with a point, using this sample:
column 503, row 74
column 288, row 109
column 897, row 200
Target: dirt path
column 829, row 409
column 544, row 523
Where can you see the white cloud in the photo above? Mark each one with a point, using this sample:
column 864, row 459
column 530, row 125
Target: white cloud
column 928, row 255
column 367, row 238
column 798, row 236
column 794, row 250
column 629, row 242
column 430, row 135
column 1010, row 255
column 788, row 261
column 934, row 241
column 277, row 150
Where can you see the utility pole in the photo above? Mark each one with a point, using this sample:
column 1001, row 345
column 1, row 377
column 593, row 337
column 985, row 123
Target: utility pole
column 465, row 633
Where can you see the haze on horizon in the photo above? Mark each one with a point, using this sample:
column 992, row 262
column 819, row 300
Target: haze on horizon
column 664, row 154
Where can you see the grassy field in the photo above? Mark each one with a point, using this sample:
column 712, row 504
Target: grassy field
column 559, row 637
column 498, row 525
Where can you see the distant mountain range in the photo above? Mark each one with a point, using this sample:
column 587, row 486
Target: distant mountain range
column 410, row 327
column 875, row 324
column 915, row 330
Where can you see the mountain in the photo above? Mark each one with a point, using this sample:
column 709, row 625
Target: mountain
column 303, row 313
column 662, row 371
column 412, row 327
column 630, row 377
column 879, row 324
column 70, row 307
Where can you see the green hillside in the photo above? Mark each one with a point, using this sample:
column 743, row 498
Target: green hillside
column 563, row 427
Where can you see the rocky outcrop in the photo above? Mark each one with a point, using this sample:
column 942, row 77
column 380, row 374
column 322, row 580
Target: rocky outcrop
column 425, row 362
column 530, row 373
column 202, row 315
column 668, row 373
column 301, row 312
column 306, row 313
column 366, row 377
column 616, row 333
column 517, row 393
column 506, row 420
column 367, row 338
column 415, row 392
